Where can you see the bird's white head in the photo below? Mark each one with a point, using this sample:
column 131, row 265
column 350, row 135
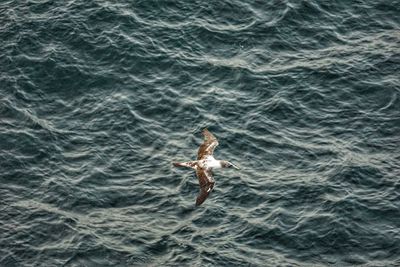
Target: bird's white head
column 227, row 164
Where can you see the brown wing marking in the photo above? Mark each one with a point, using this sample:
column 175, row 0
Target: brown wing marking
column 206, row 183
column 208, row 146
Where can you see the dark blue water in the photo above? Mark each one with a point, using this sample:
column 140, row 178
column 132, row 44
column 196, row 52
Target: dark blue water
column 97, row 98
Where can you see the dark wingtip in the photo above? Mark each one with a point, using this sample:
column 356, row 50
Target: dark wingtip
column 206, row 133
column 198, row 203
column 200, row 199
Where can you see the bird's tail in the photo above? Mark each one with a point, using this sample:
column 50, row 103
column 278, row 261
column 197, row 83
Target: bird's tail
column 189, row 164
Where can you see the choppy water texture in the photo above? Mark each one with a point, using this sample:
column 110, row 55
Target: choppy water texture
column 97, row 98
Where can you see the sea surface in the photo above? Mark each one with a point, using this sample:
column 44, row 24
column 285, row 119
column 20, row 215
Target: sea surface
column 98, row 98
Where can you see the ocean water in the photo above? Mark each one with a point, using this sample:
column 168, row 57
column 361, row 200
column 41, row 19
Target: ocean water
column 97, row 98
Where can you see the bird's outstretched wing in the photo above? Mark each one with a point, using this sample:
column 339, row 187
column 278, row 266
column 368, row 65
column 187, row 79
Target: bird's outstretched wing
column 208, row 146
column 206, row 182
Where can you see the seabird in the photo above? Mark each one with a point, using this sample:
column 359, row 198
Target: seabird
column 205, row 164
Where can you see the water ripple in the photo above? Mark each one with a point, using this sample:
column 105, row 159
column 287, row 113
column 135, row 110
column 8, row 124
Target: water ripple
column 99, row 98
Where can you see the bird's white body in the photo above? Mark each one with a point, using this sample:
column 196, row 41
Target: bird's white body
column 209, row 163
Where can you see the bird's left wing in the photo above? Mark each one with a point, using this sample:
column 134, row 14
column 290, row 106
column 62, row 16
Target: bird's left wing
column 206, row 182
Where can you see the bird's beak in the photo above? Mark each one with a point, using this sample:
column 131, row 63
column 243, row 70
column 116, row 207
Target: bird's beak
column 236, row 167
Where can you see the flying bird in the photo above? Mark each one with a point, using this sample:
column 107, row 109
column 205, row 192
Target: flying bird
column 205, row 164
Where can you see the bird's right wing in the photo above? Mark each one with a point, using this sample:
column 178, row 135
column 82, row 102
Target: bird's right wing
column 208, row 146
column 206, row 182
